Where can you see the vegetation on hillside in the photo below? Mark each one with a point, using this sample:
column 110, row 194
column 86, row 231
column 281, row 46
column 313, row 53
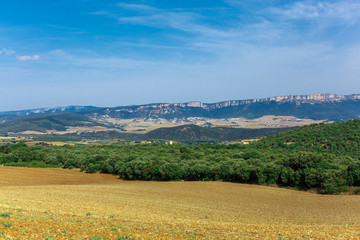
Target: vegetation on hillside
column 44, row 122
column 193, row 133
column 341, row 138
column 320, row 156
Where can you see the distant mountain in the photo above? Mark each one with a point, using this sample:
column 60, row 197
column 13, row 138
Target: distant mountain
column 143, row 118
column 316, row 106
column 49, row 110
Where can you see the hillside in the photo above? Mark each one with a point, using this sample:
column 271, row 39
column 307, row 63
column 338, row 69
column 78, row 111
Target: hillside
column 44, row 122
column 316, row 107
column 341, row 139
column 188, row 133
column 184, row 134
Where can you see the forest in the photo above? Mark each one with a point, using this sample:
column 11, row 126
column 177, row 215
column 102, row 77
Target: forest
column 321, row 157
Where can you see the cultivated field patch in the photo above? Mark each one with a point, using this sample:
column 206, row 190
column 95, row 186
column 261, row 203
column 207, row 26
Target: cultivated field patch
column 64, row 204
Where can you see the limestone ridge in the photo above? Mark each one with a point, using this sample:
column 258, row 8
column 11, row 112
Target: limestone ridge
column 331, row 107
column 316, row 106
column 311, row 98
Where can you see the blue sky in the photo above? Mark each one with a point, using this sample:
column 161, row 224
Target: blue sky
column 113, row 53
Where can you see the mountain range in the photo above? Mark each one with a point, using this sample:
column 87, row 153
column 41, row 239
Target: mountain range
column 249, row 108
column 280, row 111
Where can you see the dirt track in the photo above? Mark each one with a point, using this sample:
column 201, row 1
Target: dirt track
column 63, row 204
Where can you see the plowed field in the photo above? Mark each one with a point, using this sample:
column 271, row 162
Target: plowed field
column 64, row 204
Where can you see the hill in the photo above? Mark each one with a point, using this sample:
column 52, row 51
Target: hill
column 190, row 133
column 341, row 139
column 44, row 122
column 184, row 134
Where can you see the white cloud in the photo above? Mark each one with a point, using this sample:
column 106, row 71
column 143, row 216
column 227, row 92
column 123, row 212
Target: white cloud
column 345, row 10
column 29, row 58
column 268, row 25
column 136, row 7
column 182, row 19
column 7, row 51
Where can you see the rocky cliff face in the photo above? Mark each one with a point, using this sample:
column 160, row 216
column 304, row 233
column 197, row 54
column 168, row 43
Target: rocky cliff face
column 315, row 106
column 164, row 108
column 291, row 98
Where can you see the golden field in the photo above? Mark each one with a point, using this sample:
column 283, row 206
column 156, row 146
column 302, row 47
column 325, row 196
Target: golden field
column 65, row 204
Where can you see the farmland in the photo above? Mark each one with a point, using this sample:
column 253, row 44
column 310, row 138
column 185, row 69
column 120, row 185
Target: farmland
column 67, row 204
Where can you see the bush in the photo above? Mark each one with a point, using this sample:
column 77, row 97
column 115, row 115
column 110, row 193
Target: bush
column 171, row 171
column 92, row 168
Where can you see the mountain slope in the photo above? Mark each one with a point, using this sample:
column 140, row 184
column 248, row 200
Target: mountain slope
column 196, row 133
column 44, row 122
column 341, row 138
column 184, row 133
column 317, row 107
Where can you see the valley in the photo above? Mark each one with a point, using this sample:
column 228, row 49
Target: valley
column 142, row 126
column 145, row 125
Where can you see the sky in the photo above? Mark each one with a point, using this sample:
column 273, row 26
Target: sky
column 116, row 53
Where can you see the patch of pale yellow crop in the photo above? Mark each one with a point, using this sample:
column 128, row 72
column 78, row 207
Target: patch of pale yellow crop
column 63, row 204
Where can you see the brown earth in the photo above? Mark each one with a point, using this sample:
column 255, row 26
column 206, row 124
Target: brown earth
column 64, row 204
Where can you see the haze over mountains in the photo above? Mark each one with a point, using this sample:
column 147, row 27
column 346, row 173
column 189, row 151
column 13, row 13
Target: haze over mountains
column 273, row 112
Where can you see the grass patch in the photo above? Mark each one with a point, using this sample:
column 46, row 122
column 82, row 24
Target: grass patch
column 97, row 238
column 124, row 238
column 5, row 215
column 6, row 224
